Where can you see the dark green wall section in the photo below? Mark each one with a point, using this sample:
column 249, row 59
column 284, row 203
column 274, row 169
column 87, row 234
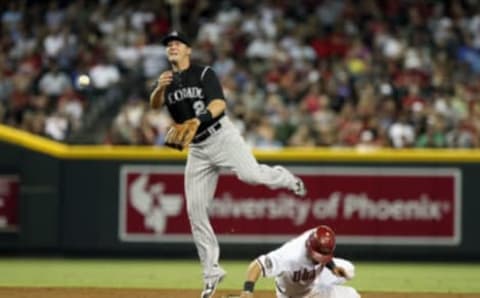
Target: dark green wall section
column 39, row 206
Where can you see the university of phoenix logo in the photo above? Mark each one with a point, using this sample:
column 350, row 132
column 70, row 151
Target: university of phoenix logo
column 155, row 205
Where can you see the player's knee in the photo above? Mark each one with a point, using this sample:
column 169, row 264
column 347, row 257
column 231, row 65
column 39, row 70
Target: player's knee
column 344, row 292
column 196, row 210
column 248, row 177
column 352, row 293
column 349, row 292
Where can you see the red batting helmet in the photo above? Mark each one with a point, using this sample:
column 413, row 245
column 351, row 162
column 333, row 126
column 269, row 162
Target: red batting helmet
column 321, row 244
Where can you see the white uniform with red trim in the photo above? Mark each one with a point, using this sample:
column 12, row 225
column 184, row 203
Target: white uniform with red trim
column 297, row 276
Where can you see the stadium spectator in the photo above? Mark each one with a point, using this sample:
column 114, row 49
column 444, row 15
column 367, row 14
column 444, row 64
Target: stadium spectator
column 54, row 82
column 361, row 74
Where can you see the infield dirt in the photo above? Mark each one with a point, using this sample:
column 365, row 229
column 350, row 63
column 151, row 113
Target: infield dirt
column 12, row 292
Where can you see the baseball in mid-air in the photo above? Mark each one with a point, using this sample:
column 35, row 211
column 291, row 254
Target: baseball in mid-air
column 83, row 80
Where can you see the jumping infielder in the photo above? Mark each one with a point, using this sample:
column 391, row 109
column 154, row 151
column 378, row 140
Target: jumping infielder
column 195, row 100
column 304, row 267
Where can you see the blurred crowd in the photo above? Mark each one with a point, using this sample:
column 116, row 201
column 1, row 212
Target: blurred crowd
column 309, row 73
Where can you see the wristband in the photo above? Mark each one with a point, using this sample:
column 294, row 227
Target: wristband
column 205, row 117
column 248, row 286
column 330, row 265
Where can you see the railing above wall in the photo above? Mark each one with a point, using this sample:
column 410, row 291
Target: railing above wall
column 64, row 151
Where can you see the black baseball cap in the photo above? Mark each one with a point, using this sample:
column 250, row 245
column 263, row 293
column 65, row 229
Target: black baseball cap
column 175, row 35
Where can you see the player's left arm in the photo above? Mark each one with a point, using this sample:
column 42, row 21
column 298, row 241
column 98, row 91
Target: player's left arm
column 216, row 107
column 254, row 272
column 337, row 270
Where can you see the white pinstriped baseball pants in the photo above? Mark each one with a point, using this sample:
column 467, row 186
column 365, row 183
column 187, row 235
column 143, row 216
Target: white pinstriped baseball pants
column 224, row 149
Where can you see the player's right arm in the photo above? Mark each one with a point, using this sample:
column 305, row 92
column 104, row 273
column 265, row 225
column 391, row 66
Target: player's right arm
column 254, row 272
column 157, row 96
column 269, row 265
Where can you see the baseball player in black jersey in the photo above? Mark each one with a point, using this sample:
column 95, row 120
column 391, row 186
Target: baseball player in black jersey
column 194, row 97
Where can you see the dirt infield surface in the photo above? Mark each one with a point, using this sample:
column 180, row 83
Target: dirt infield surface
column 11, row 292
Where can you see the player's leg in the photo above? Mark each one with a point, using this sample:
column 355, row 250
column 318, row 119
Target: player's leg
column 235, row 154
column 200, row 182
column 334, row 291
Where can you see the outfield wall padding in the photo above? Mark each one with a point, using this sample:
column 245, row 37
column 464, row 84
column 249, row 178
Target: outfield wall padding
column 69, row 198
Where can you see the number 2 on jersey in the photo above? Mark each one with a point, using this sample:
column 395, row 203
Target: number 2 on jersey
column 198, row 107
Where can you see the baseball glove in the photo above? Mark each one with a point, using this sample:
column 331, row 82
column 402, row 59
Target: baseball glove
column 179, row 136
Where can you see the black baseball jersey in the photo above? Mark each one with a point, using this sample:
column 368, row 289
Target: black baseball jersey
column 190, row 92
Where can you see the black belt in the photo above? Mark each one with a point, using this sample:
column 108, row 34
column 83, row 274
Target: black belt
column 202, row 136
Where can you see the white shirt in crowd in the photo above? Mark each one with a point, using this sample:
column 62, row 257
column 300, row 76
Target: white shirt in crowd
column 104, row 75
column 54, row 83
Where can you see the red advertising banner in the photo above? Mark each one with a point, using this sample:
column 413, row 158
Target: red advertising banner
column 9, row 193
column 410, row 206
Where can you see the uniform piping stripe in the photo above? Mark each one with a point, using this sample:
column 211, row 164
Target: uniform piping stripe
column 280, row 289
column 203, row 72
column 261, row 266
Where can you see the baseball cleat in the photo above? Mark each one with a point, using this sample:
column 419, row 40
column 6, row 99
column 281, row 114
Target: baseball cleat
column 299, row 188
column 211, row 286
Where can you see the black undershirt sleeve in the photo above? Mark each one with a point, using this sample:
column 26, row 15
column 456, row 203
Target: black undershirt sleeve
column 211, row 86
